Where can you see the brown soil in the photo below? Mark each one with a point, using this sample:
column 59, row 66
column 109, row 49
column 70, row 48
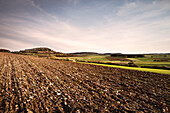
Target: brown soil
column 117, row 59
column 30, row 84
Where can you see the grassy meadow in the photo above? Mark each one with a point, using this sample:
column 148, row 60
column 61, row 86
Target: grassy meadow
column 158, row 63
column 144, row 64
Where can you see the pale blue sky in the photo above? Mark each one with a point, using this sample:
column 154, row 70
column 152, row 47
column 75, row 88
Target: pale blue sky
column 127, row 26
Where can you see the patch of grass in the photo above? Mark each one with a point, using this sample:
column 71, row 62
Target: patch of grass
column 154, row 64
column 167, row 64
column 101, row 92
column 91, row 58
column 61, row 57
column 134, row 68
column 159, row 56
column 96, row 106
column 134, row 59
column 97, row 59
column 147, row 60
column 144, row 59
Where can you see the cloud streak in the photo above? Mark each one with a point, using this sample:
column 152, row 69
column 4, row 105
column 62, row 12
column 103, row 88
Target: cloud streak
column 132, row 28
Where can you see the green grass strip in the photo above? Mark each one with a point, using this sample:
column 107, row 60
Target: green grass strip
column 162, row 71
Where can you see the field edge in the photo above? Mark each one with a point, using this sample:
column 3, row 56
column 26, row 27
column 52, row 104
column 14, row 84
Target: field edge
column 161, row 71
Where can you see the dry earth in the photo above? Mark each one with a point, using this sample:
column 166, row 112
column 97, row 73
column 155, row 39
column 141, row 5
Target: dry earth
column 30, row 84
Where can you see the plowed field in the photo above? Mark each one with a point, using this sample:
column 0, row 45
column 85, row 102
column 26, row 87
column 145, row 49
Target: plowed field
column 31, row 84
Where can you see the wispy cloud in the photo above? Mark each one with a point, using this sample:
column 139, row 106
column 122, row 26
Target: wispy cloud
column 135, row 27
column 127, row 9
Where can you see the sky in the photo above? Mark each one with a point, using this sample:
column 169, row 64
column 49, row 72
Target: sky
column 126, row 26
